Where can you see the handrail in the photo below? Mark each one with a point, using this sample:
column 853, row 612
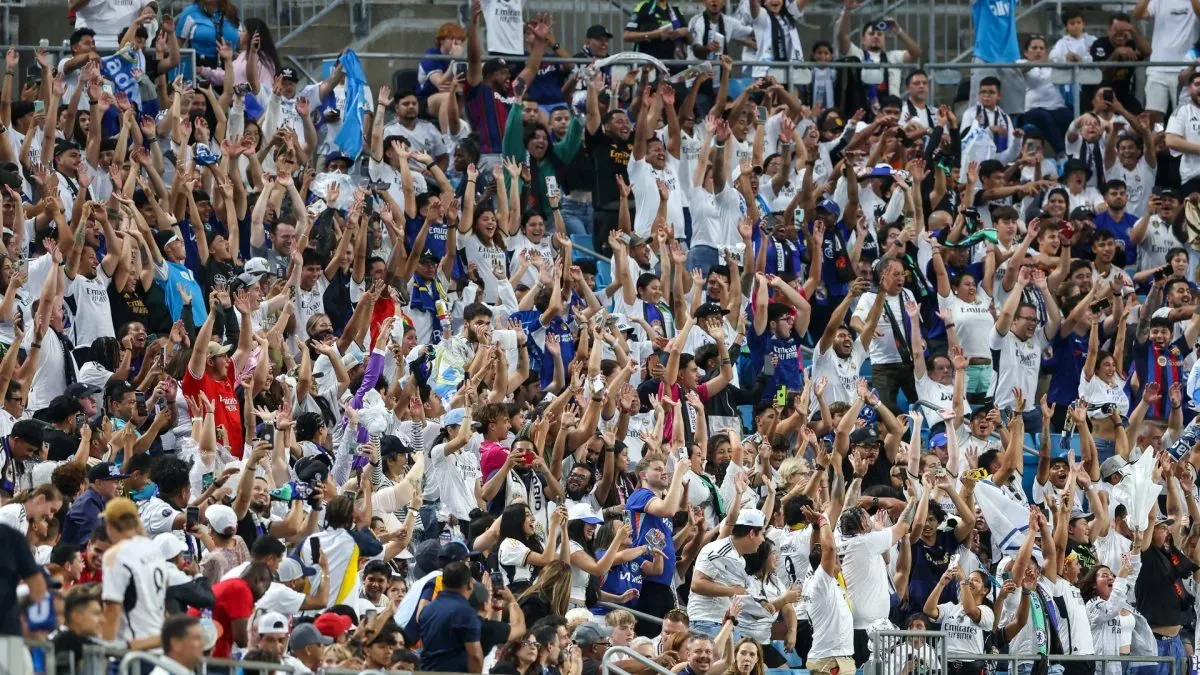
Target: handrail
column 607, row 666
column 263, row 666
column 612, row 605
column 130, row 658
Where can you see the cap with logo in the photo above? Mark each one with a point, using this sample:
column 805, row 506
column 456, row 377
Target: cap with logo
column 105, row 471
column 590, row 633
column 584, row 512
column 169, row 545
column 81, row 390
column 289, row 75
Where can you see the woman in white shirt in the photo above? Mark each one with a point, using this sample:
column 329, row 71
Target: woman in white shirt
column 1102, row 386
column 965, row 621
column 1045, row 107
column 1109, row 611
column 521, row 550
column 481, row 232
column 775, row 600
column 967, row 309
column 585, row 567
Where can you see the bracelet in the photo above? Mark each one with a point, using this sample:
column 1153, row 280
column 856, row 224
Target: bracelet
column 36, row 345
column 949, row 325
column 197, row 420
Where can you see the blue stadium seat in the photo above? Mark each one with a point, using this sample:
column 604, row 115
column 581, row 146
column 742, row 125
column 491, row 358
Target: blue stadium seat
column 603, row 272
column 586, row 242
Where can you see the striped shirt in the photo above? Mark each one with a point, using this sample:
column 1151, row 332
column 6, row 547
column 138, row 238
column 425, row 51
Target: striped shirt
column 487, row 112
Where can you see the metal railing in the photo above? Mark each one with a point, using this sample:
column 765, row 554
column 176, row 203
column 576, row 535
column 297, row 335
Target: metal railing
column 641, row 616
column 895, row 652
column 609, row 665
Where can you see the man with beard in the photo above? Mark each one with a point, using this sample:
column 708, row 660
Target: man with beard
column 1183, row 136
column 456, row 352
column 839, row 356
column 422, row 135
column 580, row 483
column 700, row 650
column 610, row 148
column 252, row 506
column 524, row 477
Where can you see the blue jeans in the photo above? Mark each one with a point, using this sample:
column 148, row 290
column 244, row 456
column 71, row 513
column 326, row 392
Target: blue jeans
column 704, row 257
column 577, row 216
column 1105, row 448
column 711, row 628
column 1172, row 647
column 1033, row 422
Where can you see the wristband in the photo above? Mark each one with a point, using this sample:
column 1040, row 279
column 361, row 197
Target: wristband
column 949, row 325
column 36, row 345
column 197, row 420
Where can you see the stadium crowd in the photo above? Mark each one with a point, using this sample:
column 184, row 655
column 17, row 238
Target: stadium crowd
column 531, row 360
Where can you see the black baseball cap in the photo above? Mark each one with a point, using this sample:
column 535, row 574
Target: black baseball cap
column 596, row 32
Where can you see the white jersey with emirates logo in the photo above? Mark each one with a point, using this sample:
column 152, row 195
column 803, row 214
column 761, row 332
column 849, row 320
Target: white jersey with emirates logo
column 135, row 577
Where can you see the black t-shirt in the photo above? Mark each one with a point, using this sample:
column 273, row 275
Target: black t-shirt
column 146, row 306
column 492, row 634
column 15, row 567
column 650, row 16
column 66, row 641
column 1120, row 79
column 216, row 272
column 610, row 158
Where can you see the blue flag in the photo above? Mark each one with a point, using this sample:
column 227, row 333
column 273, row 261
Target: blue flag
column 350, row 136
column 119, row 68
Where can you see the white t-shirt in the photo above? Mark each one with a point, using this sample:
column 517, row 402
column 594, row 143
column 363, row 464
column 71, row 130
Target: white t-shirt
column 1138, row 182
column 794, row 547
column 308, row 304
column 940, row 398
column 485, row 257
column 883, row 346
column 973, row 321
column 279, row 598
column 1016, row 364
column 1075, row 629
column 866, row 575
column 1175, row 29
column 157, row 516
column 1152, row 252
column 1097, row 392
column 894, row 76
column 92, row 314
column 452, row 479
column 964, row 636
column 505, row 26
column 519, row 243
column 1185, row 122
column 833, row 625
column 109, row 18
column 842, row 374
column 721, row 562
column 14, row 516
column 513, row 554
column 644, row 180
column 135, row 573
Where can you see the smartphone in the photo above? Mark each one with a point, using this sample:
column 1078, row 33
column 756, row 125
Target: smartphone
column 80, row 420
column 352, row 494
column 1162, row 273
column 781, row 397
column 883, row 25
column 762, row 114
column 38, row 106
column 141, row 403
column 107, row 88
column 497, row 581
column 315, row 548
column 1098, row 307
column 527, row 458
column 1108, row 95
column 370, row 613
column 193, row 517
column 552, row 186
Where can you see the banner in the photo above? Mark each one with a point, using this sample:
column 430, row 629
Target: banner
column 119, row 69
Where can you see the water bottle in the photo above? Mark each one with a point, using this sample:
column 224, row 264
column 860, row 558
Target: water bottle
column 443, row 314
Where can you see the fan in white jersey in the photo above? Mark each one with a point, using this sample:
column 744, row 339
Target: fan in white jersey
column 135, row 580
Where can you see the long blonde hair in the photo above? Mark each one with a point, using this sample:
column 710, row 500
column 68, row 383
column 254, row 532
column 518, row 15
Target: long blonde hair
column 554, row 584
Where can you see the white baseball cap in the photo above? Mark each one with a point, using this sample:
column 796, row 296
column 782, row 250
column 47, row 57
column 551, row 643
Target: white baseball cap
column 751, row 518
column 272, row 623
column 221, row 519
column 169, row 545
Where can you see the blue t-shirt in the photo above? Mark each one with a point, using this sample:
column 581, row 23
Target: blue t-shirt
column 789, row 372
column 178, row 275
column 833, row 249
column 1070, row 352
column 200, row 29
column 995, row 31
column 1119, row 229
column 621, row 578
column 929, row 563
column 435, row 241
column 782, row 257
column 643, row 522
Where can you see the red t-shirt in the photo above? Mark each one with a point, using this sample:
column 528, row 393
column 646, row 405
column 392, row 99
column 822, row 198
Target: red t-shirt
column 224, row 396
column 232, row 600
